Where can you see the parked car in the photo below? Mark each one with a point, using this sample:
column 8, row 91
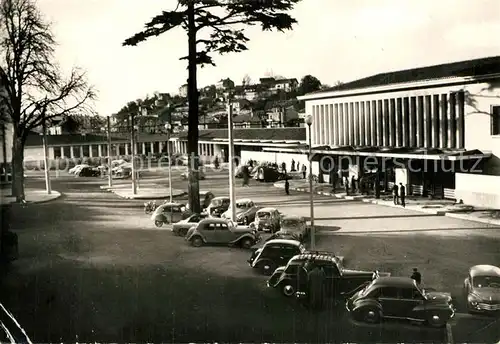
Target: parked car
column 77, row 168
column 267, row 220
column 294, row 225
column 400, row 298
column 10, row 330
column 88, row 172
column 182, row 227
column 285, row 236
column 245, row 211
column 201, row 175
column 268, row 174
column 273, row 254
column 482, row 289
column 339, row 280
column 218, row 206
column 221, row 231
column 169, row 213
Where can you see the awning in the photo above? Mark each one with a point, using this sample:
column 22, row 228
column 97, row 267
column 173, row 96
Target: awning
column 397, row 152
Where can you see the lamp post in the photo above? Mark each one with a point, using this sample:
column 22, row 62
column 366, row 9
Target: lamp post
column 48, row 185
column 133, row 152
column 309, row 121
column 168, row 128
column 232, row 195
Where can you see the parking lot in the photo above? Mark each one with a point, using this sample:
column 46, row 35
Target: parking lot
column 94, row 267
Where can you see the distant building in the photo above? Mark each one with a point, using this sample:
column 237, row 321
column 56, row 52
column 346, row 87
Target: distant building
column 224, row 84
column 276, row 85
column 183, row 90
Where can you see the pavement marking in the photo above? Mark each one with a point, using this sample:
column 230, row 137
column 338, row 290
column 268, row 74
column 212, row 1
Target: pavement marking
column 449, row 334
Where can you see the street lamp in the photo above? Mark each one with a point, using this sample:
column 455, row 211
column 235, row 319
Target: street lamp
column 168, row 128
column 309, row 121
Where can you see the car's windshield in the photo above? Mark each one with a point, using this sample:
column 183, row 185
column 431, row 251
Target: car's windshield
column 264, row 215
column 486, row 282
column 291, row 223
column 242, row 205
column 216, row 202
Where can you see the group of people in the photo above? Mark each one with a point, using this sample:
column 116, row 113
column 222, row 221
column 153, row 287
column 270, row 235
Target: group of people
column 399, row 194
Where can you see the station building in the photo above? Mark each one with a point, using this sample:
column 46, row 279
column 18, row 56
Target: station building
column 434, row 129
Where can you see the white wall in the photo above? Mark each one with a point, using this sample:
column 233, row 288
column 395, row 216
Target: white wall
column 478, row 190
column 36, row 153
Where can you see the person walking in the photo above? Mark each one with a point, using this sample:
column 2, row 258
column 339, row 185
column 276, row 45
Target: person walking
column 246, row 175
column 287, row 186
column 346, row 185
column 395, row 194
column 402, row 194
column 304, row 170
column 353, row 184
column 292, row 168
column 416, row 276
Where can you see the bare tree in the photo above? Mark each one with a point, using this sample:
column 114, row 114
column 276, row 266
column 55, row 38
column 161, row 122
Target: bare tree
column 35, row 90
column 246, row 80
column 212, row 26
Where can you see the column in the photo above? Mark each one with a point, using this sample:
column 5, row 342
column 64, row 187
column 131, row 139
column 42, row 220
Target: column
column 399, row 122
column 99, row 150
column 460, row 100
column 368, row 122
column 340, row 119
column 414, row 133
column 452, row 127
column 91, row 155
column 346, row 124
column 352, row 129
column 444, row 121
column 392, row 122
column 71, row 152
column 357, row 124
column 326, row 121
column 385, row 112
column 406, row 121
column 336, row 122
column 362, row 127
column 143, row 151
column 152, row 147
column 428, row 121
column 381, row 121
column 331, row 129
column 316, row 126
column 81, row 151
column 126, row 149
column 420, row 121
column 374, row 126
column 435, row 121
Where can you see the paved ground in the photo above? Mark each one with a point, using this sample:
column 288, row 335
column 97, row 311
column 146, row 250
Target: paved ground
column 94, row 268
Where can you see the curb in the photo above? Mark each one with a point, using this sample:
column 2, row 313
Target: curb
column 472, row 218
column 56, row 195
column 139, row 197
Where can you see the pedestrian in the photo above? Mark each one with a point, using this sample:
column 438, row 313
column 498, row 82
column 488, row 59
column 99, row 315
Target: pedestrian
column 316, row 287
column 283, row 167
column 353, row 184
column 246, row 175
column 402, row 194
column 395, row 194
column 304, row 170
column 292, row 168
column 298, row 166
column 346, row 185
column 287, row 186
column 416, row 276
column 334, row 177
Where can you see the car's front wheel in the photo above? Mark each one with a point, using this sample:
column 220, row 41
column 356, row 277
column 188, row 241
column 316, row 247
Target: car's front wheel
column 158, row 223
column 197, row 241
column 247, row 243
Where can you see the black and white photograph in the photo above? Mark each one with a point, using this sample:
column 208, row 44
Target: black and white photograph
column 250, row 171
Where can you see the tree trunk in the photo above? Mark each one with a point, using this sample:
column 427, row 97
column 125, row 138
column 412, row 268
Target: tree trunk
column 18, row 168
column 193, row 121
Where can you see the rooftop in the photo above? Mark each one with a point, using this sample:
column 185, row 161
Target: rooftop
column 261, row 134
column 395, row 281
column 468, row 68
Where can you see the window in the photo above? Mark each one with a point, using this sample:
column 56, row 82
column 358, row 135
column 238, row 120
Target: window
column 194, row 218
column 410, row 293
column 495, row 120
column 389, row 292
column 57, row 152
column 223, row 227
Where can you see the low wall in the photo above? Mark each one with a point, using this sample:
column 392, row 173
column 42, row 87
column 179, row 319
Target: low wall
column 478, row 190
column 274, row 157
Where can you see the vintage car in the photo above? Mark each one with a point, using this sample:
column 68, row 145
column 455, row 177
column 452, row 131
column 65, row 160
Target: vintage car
column 218, row 206
column 294, row 225
column 482, row 289
column 268, row 174
column 77, row 168
column 201, row 175
column 182, row 227
column 284, row 236
column 267, row 220
column 221, row 231
column 88, row 172
column 169, row 213
column 205, row 199
column 400, row 298
column 339, row 280
column 245, row 211
column 10, row 330
column 273, row 254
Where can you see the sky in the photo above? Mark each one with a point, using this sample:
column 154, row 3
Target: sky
column 334, row 40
